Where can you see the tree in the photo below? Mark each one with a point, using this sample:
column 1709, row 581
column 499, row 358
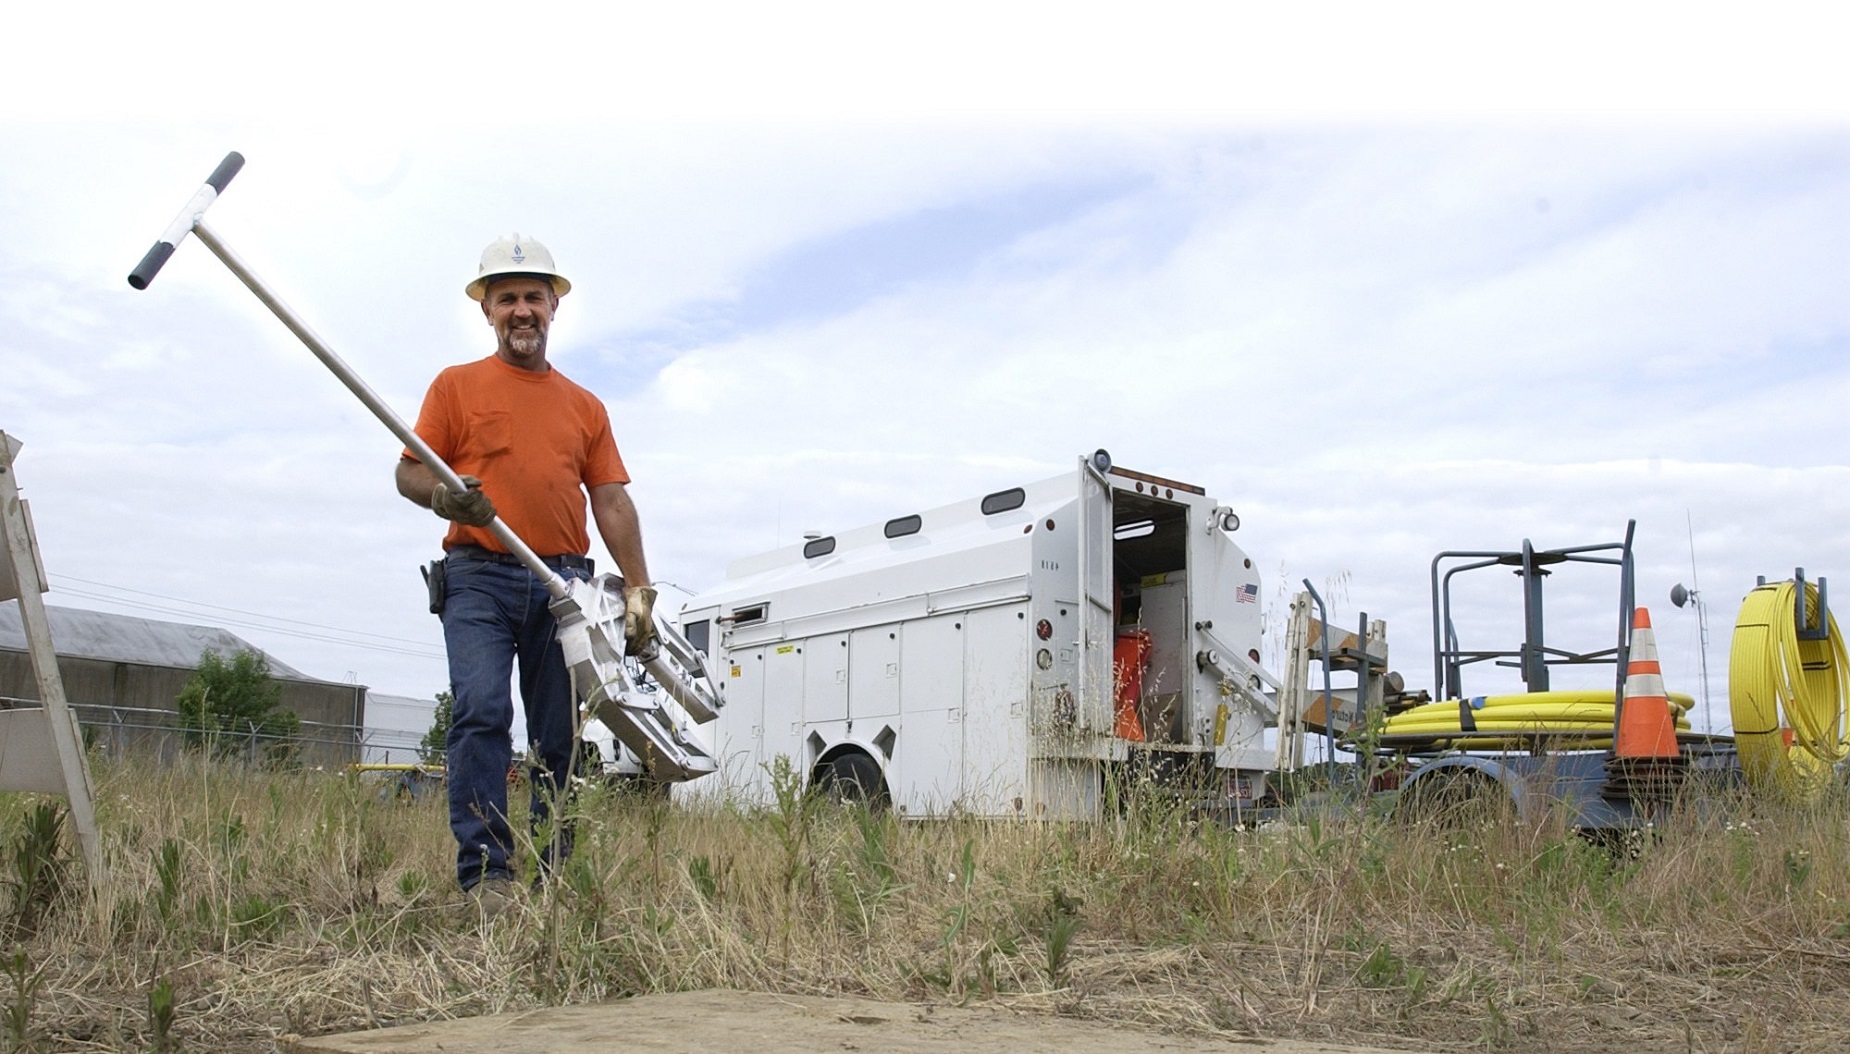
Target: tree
column 435, row 745
column 228, row 705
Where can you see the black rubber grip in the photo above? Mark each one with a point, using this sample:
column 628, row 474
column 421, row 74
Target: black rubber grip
column 225, row 170
column 150, row 265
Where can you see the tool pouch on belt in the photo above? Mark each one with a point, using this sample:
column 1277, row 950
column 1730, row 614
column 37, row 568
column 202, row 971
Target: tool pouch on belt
column 433, row 580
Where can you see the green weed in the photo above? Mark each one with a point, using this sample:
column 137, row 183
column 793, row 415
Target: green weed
column 1798, row 864
column 701, row 873
column 167, row 872
column 1062, row 926
column 161, row 1014
column 411, row 885
column 26, row 981
column 254, row 917
column 791, row 818
column 39, row 869
column 1382, row 968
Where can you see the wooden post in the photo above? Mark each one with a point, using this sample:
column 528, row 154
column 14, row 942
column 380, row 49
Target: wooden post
column 1293, row 695
column 41, row 749
column 1374, row 683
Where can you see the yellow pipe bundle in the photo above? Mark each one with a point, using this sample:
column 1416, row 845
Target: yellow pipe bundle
column 1786, row 694
column 1512, row 720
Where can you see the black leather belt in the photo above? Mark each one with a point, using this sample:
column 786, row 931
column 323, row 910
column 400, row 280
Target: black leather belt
column 561, row 562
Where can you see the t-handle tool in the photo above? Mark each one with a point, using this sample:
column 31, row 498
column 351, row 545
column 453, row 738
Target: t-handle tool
column 590, row 614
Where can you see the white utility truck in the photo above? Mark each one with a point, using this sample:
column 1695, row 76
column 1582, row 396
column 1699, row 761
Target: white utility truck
column 999, row 657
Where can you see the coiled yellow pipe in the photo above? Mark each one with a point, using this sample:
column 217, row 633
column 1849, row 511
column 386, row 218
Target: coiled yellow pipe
column 1577, row 720
column 1787, row 695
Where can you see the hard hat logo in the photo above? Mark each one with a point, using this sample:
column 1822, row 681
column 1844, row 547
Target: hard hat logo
column 516, row 255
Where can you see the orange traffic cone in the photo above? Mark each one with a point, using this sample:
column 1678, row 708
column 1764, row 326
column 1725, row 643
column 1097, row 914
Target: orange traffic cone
column 1647, row 728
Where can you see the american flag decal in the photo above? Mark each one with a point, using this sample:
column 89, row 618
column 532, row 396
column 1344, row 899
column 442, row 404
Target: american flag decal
column 1247, row 594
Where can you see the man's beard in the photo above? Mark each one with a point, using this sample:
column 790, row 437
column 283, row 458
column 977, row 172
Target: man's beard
column 526, row 342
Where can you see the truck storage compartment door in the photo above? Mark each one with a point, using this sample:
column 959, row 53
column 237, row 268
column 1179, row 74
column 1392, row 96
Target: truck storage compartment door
column 995, row 723
column 926, row 777
column 738, row 736
column 783, row 704
column 873, row 673
column 825, row 679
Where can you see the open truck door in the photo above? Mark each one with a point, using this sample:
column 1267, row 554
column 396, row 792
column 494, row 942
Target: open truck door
column 1097, row 601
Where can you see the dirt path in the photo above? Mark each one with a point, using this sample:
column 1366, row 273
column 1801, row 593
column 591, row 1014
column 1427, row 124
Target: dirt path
column 760, row 1023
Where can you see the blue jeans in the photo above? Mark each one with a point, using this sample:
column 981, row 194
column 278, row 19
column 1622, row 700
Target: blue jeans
column 494, row 617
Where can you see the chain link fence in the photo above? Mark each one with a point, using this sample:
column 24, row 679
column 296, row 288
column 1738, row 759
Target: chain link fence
column 118, row 731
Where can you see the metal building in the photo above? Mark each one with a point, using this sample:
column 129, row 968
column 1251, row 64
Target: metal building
column 123, row 674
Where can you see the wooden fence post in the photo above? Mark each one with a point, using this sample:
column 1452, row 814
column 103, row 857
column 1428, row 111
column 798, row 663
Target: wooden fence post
column 41, row 749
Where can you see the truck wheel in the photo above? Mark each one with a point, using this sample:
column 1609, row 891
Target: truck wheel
column 1457, row 799
column 854, row 778
column 590, row 761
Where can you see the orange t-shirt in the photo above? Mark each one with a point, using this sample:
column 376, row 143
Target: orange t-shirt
column 535, row 440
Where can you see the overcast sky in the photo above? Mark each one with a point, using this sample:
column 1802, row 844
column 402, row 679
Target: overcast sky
column 1386, row 285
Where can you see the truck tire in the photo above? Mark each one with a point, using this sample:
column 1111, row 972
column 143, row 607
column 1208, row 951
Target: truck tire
column 853, row 778
column 1457, row 799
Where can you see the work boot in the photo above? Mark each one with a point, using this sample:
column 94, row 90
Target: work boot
column 491, row 897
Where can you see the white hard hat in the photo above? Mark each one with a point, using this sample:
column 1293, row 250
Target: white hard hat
column 516, row 255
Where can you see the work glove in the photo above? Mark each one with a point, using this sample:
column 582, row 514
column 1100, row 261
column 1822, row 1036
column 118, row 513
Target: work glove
column 638, row 619
column 471, row 508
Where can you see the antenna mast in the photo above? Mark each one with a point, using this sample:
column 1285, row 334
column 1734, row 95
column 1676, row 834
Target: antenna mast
column 1702, row 622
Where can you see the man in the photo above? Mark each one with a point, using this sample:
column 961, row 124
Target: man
column 529, row 445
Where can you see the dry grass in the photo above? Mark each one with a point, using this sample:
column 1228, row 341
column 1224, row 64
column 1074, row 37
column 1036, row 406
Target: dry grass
column 268, row 903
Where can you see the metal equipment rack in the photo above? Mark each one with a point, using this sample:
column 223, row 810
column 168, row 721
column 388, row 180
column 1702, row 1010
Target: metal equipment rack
column 1535, row 656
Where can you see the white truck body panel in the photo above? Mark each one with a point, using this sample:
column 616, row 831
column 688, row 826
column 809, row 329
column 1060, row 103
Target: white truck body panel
column 970, row 654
